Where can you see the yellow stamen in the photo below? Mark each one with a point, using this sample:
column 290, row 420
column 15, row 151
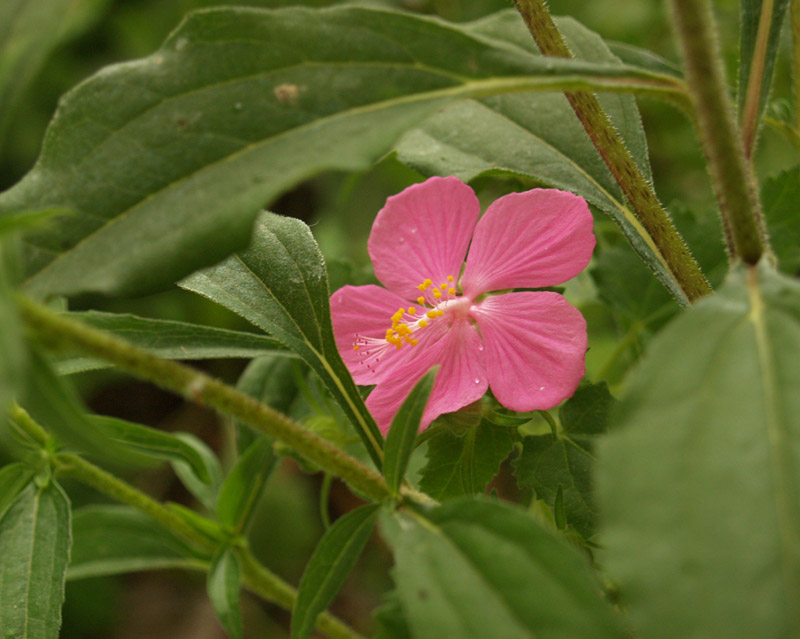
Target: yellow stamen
column 412, row 310
column 437, row 293
column 432, row 314
column 414, row 342
column 451, row 290
column 423, row 323
column 443, row 286
column 356, row 347
column 449, row 278
column 421, row 300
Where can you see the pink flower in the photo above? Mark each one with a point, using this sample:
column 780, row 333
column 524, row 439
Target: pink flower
column 529, row 347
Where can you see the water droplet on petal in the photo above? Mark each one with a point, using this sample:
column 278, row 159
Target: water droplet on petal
column 413, row 229
column 480, row 348
column 402, row 239
column 477, row 381
column 541, row 387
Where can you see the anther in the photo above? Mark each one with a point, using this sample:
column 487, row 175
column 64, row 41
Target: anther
column 421, row 300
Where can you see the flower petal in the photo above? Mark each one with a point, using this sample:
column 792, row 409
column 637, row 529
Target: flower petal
column 362, row 314
column 535, row 348
column 461, row 380
column 526, row 240
column 423, row 233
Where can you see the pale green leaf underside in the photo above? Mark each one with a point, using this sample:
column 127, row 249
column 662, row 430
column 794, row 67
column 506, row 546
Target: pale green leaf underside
column 35, row 542
column 224, row 586
column 705, row 464
column 167, row 160
column 171, row 340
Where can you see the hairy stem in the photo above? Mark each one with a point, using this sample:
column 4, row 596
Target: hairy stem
column 731, row 173
column 752, row 101
column 796, row 61
column 203, row 389
column 256, row 577
column 612, row 149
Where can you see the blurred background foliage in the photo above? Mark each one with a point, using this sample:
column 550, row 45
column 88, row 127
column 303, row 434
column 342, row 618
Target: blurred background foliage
column 340, row 208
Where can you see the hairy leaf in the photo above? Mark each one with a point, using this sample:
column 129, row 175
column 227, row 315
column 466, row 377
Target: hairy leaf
column 702, row 463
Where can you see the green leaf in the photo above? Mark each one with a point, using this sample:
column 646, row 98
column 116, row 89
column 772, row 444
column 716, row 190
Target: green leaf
column 403, row 431
column 204, row 491
column 268, row 379
column 329, row 566
column 536, row 138
column 170, row 340
column 29, row 31
column 780, row 195
column 35, row 538
column 390, row 619
column 476, row 568
column 464, row 463
column 242, row 488
column 12, row 346
column 167, row 160
column 750, row 17
column 280, row 285
column 26, row 219
column 111, row 540
column 152, row 443
column 586, row 412
column 13, row 479
column 224, row 586
column 698, row 480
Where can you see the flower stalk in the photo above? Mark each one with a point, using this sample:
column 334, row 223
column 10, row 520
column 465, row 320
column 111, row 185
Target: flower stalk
column 203, row 389
column 731, row 173
column 755, row 82
column 612, row 149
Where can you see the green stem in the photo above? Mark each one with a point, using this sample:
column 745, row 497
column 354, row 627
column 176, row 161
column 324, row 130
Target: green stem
column 256, row 577
column 752, row 102
column 796, row 61
column 25, row 422
column 201, row 388
column 635, row 186
column 731, row 173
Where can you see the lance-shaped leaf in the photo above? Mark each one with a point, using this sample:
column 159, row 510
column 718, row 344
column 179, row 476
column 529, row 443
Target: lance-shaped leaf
column 35, row 538
column 13, row 478
column 166, row 161
column 224, row 589
column 537, row 139
column 279, row 284
column 329, row 566
column 239, row 494
column 698, row 478
column 403, row 432
column 479, row 568
column 170, row 340
column 12, row 348
column 111, row 540
column 203, row 485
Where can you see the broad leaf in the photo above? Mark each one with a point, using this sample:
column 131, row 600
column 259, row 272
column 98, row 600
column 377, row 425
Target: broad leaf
column 479, row 568
column 167, row 160
column 780, row 195
column 748, row 44
column 170, row 340
column 329, row 566
column 537, row 139
column 698, row 481
column 151, row 443
column 280, row 285
column 224, row 588
column 242, row 488
column 13, row 478
column 110, row 540
column 35, row 538
column 464, row 463
column 403, row 432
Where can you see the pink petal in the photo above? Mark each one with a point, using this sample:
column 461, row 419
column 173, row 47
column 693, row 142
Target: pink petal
column 461, row 379
column 535, row 348
column 423, row 233
column 528, row 240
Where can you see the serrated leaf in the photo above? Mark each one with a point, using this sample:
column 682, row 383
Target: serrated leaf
column 537, row 139
column 749, row 25
column 111, row 540
column 242, row 488
column 167, row 160
column 205, row 486
column 465, row 464
column 698, row 480
column 780, row 195
column 329, row 566
column 403, row 431
column 152, row 443
column 170, row 340
column 478, row 568
column 35, row 538
column 13, row 478
column 270, row 380
column 586, row 412
column 224, row 587
column 280, row 285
